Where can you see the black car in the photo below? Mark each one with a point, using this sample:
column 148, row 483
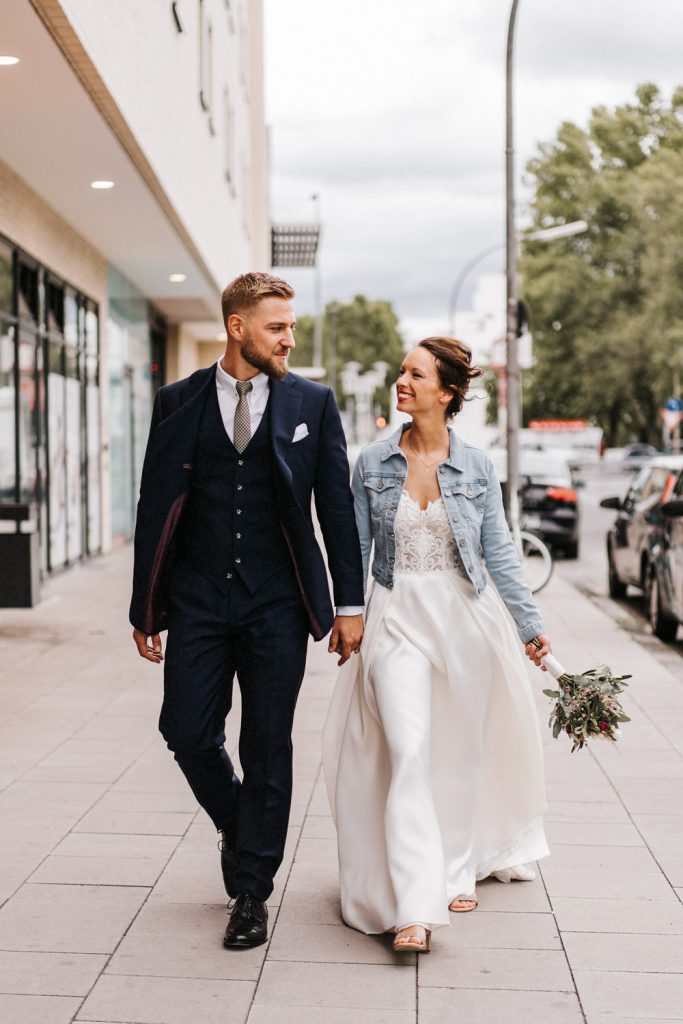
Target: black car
column 631, row 536
column 548, row 498
column 665, row 594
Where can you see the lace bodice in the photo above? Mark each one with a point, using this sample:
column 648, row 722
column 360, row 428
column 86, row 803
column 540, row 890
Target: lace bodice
column 424, row 538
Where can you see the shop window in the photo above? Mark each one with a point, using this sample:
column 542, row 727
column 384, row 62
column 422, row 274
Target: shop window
column 28, row 292
column 7, row 413
column 49, row 388
column 6, row 279
column 93, row 430
column 55, row 307
column 29, row 423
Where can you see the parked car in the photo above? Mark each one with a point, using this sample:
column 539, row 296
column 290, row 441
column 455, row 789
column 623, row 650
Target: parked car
column 548, row 497
column 665, row 590
column 631, row 537
column 637, row 455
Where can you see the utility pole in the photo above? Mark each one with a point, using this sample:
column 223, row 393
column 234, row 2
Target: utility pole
column 512, row 360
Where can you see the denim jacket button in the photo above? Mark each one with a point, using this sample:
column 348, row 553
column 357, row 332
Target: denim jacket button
column 380, row 485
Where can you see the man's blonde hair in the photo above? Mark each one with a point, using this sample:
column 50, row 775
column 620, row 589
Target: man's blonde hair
column 248, row 289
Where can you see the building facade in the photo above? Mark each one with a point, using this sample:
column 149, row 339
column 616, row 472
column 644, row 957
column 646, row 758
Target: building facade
column 133, row 186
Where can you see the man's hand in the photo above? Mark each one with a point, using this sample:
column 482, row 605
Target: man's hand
column 149, row 647
column 346, row 635
column 534, row 654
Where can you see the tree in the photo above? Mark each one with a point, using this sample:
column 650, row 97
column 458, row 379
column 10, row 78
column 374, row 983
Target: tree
column 365, row 330
column 607, row 305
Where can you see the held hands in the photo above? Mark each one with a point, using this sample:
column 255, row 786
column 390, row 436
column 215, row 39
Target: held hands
column 149, row 647
column 346, row 635
column 536, row 655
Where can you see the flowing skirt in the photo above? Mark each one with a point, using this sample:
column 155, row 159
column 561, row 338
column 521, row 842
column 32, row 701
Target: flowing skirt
column 432, row 753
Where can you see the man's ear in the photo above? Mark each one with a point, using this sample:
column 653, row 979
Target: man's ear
column 235, row 326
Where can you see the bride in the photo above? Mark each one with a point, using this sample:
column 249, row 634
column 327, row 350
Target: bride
column 431, row 748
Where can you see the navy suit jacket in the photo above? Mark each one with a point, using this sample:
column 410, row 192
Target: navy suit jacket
column 316, row 465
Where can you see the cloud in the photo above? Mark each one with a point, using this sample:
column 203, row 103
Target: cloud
column 394, row 113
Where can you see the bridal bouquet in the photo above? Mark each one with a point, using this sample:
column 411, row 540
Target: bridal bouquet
column 587, row 704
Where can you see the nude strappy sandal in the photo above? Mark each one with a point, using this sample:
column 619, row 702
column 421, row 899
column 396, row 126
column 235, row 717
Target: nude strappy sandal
column 469, row 898
column 412, row 943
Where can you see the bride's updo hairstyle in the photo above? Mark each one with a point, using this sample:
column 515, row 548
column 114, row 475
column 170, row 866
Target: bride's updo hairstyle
column 454, row 368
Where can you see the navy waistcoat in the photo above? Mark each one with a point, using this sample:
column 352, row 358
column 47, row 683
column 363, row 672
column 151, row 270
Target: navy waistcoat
column 230, row 524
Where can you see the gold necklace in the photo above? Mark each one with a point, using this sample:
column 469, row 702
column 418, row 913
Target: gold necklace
column 427, row 465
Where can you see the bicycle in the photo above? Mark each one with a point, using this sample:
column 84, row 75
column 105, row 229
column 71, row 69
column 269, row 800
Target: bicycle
column 535, row 558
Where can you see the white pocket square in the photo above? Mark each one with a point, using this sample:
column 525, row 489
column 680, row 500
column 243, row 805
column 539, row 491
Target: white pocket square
column 300, row 433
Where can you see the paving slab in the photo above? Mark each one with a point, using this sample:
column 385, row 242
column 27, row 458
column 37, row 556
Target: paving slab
column 38, row 1009
column 594, row 833
column 657, row 954
column 613, row 995
column 537, row 970
column 495, row 930
column 480, row 1006
column 49, row 974
column 331, row 943
column 622, row 915
column 594, row 883
column 69, row 918
column 183, row 940
column 167, row 1000
column 357, row 987
column 330, row 1015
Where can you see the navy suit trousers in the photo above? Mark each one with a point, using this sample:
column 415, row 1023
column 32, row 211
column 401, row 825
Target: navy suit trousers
column 262, row 639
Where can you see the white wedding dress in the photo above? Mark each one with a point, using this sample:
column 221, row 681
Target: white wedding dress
column 431, row 748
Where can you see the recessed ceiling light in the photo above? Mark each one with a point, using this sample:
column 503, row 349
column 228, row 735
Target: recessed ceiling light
column 6, row 61
column 101, row 184
column 177, row 278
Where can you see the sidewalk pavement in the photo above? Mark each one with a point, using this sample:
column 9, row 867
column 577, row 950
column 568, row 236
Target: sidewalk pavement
column 111, row 900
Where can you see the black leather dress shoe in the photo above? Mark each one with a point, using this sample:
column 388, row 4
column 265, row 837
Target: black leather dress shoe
column 248, row 924
column 229, row 860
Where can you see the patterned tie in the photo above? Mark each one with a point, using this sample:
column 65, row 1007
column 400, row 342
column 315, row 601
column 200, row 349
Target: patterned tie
column 242, row 425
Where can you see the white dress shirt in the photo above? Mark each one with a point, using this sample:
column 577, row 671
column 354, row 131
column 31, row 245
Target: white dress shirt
column 257, row 400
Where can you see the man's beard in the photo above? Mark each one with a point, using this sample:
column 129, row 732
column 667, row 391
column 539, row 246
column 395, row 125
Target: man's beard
column 275, row 368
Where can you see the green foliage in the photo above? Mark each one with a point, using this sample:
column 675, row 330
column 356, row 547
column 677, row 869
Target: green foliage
column 365, row 331
column 607, row 305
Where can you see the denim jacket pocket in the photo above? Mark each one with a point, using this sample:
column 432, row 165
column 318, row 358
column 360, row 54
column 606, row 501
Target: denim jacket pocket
column 470, row 496
column 379, row 490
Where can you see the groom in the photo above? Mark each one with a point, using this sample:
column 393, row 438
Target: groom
column 226, row 559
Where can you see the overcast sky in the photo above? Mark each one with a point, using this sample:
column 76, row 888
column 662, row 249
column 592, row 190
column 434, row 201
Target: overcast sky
column 393, row 111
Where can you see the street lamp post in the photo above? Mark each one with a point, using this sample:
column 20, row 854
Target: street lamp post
column 512, row 360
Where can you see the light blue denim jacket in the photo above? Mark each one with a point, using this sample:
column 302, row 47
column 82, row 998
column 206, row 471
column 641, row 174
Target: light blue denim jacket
column 472, row 496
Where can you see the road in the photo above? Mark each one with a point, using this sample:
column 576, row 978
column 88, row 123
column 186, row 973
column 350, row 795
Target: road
column 589, row 571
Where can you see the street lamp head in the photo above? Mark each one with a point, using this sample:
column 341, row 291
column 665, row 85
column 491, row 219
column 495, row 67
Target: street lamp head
column 575, row 227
